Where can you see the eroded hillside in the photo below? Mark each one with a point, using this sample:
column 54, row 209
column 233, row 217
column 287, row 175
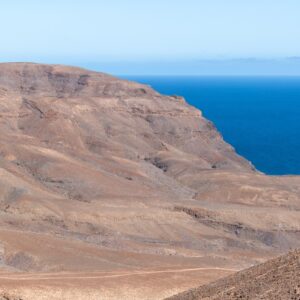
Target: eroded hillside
column 99, row 174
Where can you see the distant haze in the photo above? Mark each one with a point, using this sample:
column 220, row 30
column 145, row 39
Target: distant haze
column 231, row 67
column 213, row 37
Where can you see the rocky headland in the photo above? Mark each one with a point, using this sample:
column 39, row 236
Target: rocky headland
column 109, row 190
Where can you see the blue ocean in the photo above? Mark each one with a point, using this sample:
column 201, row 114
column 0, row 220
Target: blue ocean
column 259, row 116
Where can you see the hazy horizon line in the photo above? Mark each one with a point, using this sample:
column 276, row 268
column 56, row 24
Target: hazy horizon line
column 242, row 67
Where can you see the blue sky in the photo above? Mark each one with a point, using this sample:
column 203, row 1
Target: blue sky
column 189, row 36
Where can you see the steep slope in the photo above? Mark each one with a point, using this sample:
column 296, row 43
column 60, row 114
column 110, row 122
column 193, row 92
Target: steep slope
column 278, row 278
column 121, row 178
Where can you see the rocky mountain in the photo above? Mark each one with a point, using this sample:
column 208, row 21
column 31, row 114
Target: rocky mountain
column 99, row 174
column 278, row 278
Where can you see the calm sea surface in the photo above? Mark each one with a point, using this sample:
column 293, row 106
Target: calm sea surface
column 259, row 116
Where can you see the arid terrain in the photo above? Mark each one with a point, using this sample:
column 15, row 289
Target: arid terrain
column 276, row 279
column 109, row 190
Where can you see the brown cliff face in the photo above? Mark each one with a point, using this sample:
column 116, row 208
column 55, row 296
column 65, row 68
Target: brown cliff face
column 102, row 174
column 97, row 113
